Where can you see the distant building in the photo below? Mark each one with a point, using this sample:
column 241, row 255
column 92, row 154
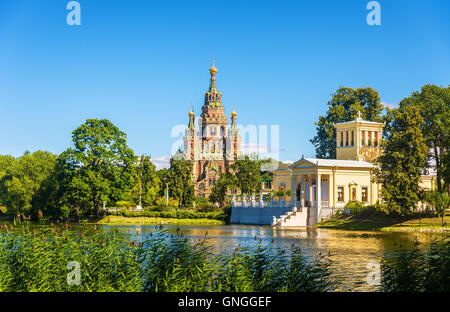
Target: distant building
column 212, row 146
column 331, row 183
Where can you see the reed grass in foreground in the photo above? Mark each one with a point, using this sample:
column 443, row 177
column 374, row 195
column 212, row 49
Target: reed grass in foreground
column 36, row 260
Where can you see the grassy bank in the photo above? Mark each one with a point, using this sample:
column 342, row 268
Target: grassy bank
column 433, row 224
column 119, row 220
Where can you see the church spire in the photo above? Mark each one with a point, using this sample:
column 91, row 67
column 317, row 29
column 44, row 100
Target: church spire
column 191, row 119
column 233, row 119
column 213, row 97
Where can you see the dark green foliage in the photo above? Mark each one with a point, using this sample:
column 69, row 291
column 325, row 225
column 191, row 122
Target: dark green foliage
column 179, row 180
column 401, row 164
column 433, row 104
column 98, row 168
column 248, row 175
column 177, row 214
column 27, row 183
column 227, row 182
column 146, row 182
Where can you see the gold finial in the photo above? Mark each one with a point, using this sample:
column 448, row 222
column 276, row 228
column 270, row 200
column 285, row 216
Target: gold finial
column 233, row 113
column 191, row 113
column 213, row 69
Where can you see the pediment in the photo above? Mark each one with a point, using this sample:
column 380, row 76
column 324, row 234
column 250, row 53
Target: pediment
column 302, row 163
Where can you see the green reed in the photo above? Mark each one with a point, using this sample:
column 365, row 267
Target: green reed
column 418, row 270
column 36, row 260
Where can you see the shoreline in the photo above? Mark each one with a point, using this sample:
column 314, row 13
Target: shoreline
column 119, row 220
column 366, row 225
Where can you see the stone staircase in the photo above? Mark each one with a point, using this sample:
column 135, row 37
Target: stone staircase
column 296, row 217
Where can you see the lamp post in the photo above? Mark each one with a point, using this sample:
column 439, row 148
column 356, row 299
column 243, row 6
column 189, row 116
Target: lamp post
column 167, row 191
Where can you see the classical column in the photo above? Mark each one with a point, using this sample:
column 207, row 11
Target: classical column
column 318, row 192
column 329, row 191
column 302, row 191
column 318, row 195
column 310, row 189
column 293, row 180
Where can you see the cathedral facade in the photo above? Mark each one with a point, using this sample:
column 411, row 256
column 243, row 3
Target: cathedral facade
column 214, row 145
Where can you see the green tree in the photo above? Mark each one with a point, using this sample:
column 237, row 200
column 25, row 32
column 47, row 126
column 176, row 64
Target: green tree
column 22, row 180
column 344, row 106
column 146, row 182
column 439, row 201
column 434, row 106
column 225, row 183
column 179, row 179
column 400, row 166
column 98, row 168
column 248, row 175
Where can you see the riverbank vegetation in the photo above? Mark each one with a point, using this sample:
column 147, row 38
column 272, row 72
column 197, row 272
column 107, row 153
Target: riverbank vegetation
column 37, row 260
column 47, row 258
column 356, row 216
column 136, row 220
column 101, row 171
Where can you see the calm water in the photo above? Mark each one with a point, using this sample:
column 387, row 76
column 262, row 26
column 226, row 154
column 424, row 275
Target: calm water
column 350, row 251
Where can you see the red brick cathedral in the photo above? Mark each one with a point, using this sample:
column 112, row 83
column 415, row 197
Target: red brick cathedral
column 214, row 145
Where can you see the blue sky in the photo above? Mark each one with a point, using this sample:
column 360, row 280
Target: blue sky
column 141, row 64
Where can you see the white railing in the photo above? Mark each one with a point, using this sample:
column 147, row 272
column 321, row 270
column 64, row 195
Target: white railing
column 262, row 204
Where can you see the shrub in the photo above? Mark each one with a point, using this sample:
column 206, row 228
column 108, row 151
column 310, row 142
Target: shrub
column 124, row 204
column 176, row 214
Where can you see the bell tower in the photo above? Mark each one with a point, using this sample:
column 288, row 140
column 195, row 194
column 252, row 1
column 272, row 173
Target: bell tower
column 358, row 139
column 214, row 146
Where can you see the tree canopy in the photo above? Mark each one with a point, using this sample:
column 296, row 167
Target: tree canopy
column 344, row 106
column 401, row 164
column 24, row 180
column 98, row 167
column 433, row 103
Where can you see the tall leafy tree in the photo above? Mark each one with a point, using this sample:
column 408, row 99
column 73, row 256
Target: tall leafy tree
column 226, row 182
column 22, row 180
column 179, row 180
column 405, row 156
column 248, row 175
column 98, row 167
column 146, row 182
column 344, row 106
column 434, row 106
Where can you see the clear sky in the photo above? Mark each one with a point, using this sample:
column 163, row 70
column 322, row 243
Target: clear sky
column 141, row 64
